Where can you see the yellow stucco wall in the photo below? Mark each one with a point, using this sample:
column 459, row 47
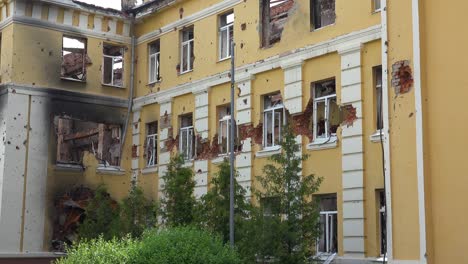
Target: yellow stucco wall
column 443, row 90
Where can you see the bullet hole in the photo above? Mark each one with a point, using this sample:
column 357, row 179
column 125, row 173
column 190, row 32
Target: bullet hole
column 8, row 142
column 181, row 12
column 411, row 115
column 243, row 26
column 17, row 148
column 245, row 101
column 242, row 45
column 33, row 83
column 199, row 171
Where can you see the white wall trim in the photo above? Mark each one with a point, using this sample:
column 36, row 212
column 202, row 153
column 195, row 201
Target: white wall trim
column 249, row 70
column 66, row 95
column 419, row 131
column 214, row 9
column 29, row 21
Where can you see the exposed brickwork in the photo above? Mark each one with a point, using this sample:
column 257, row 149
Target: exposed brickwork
column 302, row 123
column 249, row 131
column 349, row 115
column 402, row 77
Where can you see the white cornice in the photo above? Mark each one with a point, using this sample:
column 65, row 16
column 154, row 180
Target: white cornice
column 249, row 70
column 214, row 9
column 64, row 95
column 69, row 29
column 81, row 8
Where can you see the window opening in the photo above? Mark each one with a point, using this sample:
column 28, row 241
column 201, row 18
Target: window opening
column 113, row 65
column 74, row 58
column 326, row 118
column 274, row 16
column 154, row 55
column 378, row 96
column 377, row 5
column 226, row 34
column 187, row 46
column 328, row 240
column 382, row 222
column 322, row 13
column 151, row 144
column 274, row 117
column 186, row 137
column 224, row 131
column 75, row 137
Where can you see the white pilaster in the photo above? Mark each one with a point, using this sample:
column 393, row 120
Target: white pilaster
column 201, row 178
column 293, row 86
column 352, row 154
column 68, row 17
column 165, row 130
column 37, row 10
column 112, row 26
column 201, row 128
column 53, row 12
column 136, row 133
column 126, row 29
column 98, row 23
column 12, row 177
column 19, row 9
column 83, row 20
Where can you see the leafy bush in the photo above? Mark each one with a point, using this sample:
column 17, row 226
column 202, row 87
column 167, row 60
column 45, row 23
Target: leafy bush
column 183, row 245
column 100, row 251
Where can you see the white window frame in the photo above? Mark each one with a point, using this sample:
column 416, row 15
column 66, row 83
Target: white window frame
column 189, row 44
column 272, row 111
column 324, row 99
column 152, row 150
column 112, row 67
column 156, row 57
column 227, row 28
column 224, row 121
column 329, row 232
column 378, row 98
column 187, row 150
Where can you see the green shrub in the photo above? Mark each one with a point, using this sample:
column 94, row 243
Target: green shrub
column 183, row 245
column 100, row 251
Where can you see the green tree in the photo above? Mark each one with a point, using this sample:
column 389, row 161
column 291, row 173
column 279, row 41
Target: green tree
column 178, row 202
column 290, row 223
column 101, row 217
column 214, row 207
column 136, row 214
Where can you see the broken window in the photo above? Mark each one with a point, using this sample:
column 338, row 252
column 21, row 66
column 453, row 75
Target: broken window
column 378, row 96
column 376, row 5
column 75, row 137
column 186, row 53
column 326, row 118
column 274, row 16
column 186, row 137
column 226, row 34
column 270, row 206
column 151, row 144
column 274, row 117
column 224, row 129
column 328, row 240
column 154, row 51
column 112, row 73
column 382, row 222
column 74, row 58
column 322, row 13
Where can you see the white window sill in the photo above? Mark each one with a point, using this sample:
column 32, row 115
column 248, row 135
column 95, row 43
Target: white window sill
column 323, row 143
column 376, row 11
column 153, row 83
column 182, row 73
column 320, row 28
column 114, row 170
column 267, row 152
column 325, row 256
column 381, row 259
column 113, row 86
column 68, row 167
column 220, row 159
column 224, row 59
column 187, row 163
column 149, row 170
column 72, row 80
column 375, row 137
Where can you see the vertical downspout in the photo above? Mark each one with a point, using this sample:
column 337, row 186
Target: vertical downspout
column 386, row 131
column 419, row 131
column 132, row 76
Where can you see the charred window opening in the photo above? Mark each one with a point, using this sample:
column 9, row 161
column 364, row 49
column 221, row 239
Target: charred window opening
column 226, row 34
column 327, row 115
column 322, row 13
column 274, row 16
column 187, row 137
column 75, row 137
column 154, row 55
column 74, row 58
column 328, row 241
column 224, row 129
column 274, row 118
column 112, row 73
column 152, row 144
column 186, row 50
column 378, row 96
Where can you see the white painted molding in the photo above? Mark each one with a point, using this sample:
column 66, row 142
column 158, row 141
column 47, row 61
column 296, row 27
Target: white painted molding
column 323, row 144
column 70, row 29
column 214, row 9
column 53, row 13
column 248, row 71
column 37, row 10
column 149, row 170
column 83, row 21
column 267, row 152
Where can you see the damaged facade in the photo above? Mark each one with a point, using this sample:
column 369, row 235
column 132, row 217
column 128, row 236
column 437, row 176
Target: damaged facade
column 343, row 73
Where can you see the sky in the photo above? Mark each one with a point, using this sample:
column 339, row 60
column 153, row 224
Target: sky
column 106, row 3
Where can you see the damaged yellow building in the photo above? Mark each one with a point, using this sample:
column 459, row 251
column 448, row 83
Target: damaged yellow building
column 92, row 96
